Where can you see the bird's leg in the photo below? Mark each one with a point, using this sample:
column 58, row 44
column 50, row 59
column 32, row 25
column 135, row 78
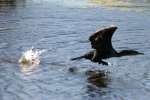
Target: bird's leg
column 102, row 62
column 94, row 56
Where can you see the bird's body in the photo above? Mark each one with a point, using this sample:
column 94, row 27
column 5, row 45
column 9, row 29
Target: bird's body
column 101, row 42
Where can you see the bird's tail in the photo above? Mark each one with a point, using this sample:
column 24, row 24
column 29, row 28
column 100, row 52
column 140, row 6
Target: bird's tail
column 77, row 58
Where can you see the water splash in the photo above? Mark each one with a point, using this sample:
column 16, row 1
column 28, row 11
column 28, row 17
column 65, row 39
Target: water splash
column 30, row 59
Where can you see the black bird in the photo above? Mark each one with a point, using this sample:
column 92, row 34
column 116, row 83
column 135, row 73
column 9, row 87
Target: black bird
column 101, row 42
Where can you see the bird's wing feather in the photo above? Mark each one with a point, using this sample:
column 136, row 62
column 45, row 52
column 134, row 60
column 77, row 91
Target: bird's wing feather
column 102, row 38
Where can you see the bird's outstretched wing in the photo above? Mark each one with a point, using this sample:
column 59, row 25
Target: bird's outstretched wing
column 102, row 38
column 101, row 41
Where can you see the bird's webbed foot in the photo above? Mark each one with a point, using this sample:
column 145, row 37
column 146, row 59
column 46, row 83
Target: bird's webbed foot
column 103, row 62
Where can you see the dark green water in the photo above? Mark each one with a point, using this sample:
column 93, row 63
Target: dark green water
column 62, row 28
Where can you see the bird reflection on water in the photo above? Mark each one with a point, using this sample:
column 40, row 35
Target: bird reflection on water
column 98, row 80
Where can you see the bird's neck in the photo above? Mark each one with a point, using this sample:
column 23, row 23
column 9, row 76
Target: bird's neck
column 128, row 53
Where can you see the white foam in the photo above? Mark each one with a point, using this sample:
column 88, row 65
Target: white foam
column 30, row 58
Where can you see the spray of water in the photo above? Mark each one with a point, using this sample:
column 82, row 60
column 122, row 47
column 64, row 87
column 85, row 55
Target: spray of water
column 30, row 59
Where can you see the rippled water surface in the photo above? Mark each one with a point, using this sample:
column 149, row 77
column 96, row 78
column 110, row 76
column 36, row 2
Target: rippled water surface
column 62, row 27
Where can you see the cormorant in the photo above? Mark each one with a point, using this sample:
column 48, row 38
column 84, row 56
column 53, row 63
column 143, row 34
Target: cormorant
column 101, row 42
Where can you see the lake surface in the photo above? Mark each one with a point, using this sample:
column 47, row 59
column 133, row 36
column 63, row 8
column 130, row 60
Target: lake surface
column 62, row 27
